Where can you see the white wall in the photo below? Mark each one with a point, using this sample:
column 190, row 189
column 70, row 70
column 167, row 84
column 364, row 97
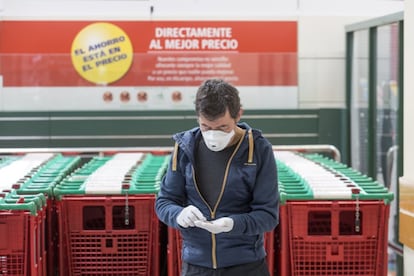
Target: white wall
column 322, row 60
column 321, row 33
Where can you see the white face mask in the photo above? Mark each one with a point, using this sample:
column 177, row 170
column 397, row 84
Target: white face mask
column 217, row 140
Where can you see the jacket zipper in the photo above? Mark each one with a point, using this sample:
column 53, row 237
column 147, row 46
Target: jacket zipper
column 213, row 212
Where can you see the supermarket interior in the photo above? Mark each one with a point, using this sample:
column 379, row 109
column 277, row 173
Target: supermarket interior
column 92, row 92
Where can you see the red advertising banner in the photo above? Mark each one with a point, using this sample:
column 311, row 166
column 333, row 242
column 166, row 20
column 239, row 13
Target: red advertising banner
column 147, row 53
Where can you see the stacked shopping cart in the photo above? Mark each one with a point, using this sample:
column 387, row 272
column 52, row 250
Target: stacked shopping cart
column 333, row 219
column 106, row 218
column 26, row 211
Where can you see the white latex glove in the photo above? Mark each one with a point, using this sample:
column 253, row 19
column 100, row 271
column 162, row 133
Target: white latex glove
column 216, row 226
column 189, row 215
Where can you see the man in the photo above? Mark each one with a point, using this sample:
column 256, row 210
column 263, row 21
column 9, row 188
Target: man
column 220, row 189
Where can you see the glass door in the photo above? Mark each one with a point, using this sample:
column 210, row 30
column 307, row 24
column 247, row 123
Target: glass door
column 387, row 118
column 359, row 106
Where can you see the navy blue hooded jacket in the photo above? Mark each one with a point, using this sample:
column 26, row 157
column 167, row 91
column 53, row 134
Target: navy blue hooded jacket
column 249, row 196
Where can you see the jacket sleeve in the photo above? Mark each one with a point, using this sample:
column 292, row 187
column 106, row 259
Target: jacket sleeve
column 171, row 197
column 264, row 214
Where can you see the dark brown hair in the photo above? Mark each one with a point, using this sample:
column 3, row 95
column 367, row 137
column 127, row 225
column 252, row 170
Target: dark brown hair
column 214, row 97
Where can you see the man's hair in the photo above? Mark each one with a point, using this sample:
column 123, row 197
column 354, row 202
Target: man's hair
column 214, row 97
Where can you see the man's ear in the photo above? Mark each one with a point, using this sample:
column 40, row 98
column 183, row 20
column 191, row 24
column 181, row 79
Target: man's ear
column 239, row 115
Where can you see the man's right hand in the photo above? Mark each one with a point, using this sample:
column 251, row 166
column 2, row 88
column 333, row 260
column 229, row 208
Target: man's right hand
column 189, row 215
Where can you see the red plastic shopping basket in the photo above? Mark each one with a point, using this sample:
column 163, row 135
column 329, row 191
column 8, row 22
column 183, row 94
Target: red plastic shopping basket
column 332, row 238
column 174, row 251
column 98, row 235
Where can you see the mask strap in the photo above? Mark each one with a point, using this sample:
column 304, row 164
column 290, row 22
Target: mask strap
column 251, row 146
column 174, row 161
